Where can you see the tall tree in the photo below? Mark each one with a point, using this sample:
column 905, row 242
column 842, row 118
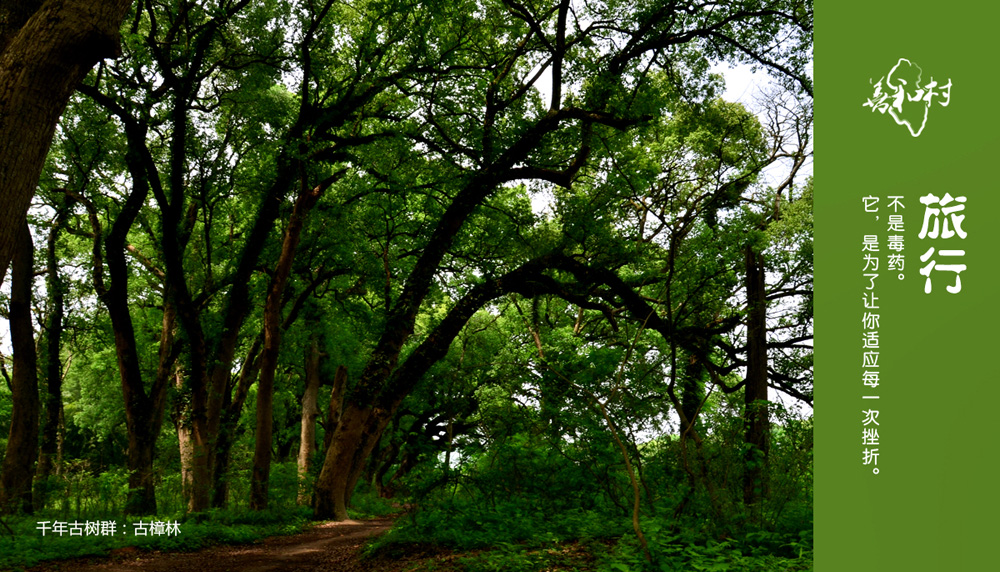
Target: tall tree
column 50, row 358
column 187, row 189
column 46, row 48
column 482, row 120
column 272, row 341
column 22, row 442
column 426, row 130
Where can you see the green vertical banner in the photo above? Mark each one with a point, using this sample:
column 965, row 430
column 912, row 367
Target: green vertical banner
column 907, row 398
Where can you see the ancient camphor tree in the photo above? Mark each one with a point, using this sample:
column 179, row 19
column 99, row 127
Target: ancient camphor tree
column 372, row 161
column 46, row 48
column 481, row 119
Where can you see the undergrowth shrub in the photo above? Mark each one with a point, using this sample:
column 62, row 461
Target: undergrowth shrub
column 365, row 503
column 520, row 503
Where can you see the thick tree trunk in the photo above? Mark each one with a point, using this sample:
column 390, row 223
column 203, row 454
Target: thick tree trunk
column 202, row 465
column 368, row 414
column 345, row 476
column 220, row 477
column 210, row 362
column 756, row 420
column 204, row 429
column 22, row 441
column 330, row 488
column 141, row 483
column 692, row 395
column 229, row 431
column 184, row 442
column 335, row 409
column 41, row 63
column 310, row 412
column 265, row 408
column 143, row 413
column 346, row 450
column 209, row 385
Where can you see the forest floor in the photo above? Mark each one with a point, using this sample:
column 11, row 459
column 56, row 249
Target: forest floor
column 332, row 546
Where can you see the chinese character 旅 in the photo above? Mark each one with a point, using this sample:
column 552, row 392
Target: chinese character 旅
column 945, row 221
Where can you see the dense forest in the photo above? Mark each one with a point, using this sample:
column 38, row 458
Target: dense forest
column 515, row 268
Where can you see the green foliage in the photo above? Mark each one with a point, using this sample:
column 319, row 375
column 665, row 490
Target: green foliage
column 673, row 552
column 366, row 504
column 521, row 504
column 558, row 402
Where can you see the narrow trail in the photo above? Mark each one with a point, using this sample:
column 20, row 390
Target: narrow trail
column 333, row 546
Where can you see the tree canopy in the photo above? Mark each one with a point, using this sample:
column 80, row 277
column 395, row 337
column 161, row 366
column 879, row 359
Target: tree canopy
column 489, row 249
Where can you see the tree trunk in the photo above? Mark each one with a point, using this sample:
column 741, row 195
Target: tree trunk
column 47, row 48
column 229, row 429
column 756, row 420
column 385, row 460
column 346, row 450
column 22, row 441
column 220, row 477
column 310, row 412
column 210, row 384
column 265, row 408
column 272, row 343
column 204, row 429
column 383, row 386
column 692, row 395
column 141, row 483
column 51, row 363
column 336, row 406
column 185, row 440
column 143, row 412
column 185, row 444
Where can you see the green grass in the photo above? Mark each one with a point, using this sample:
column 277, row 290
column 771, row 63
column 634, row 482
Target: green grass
column 28, row 547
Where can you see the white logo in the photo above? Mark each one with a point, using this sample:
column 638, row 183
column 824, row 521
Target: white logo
column 905, row 96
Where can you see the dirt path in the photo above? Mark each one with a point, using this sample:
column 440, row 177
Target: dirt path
column 330, row 547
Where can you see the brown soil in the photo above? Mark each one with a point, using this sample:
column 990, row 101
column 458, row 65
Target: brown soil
column 333, row 546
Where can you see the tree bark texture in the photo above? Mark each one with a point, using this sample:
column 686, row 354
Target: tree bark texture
column 183, row 425
column 756, row 419
column 22, row 442
column 41, row 63
column 335, row 409
column 310, row 412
